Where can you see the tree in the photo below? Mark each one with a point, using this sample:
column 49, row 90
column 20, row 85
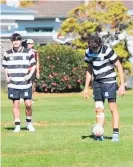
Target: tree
column 130, row 28
column 26, row 3
column 98, row 16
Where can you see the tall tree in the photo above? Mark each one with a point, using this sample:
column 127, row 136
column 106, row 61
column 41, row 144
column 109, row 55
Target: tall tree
column 98, row 16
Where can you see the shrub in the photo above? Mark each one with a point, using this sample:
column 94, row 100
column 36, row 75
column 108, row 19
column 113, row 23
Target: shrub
column 123, row 54
column 62, row 69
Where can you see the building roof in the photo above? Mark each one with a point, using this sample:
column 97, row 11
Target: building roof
column 60, row 8
column 128, row 4
column 15, row 13
column 54, row 8
column 5, row 9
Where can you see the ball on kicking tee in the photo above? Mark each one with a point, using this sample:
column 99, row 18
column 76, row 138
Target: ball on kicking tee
column 97, row 130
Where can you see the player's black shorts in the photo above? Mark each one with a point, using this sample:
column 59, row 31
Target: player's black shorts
column 16, row 94
column 102, row 91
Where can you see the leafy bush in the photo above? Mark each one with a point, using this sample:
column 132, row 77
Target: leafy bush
column 123, row 54
column 62, row 69
column 121, row 50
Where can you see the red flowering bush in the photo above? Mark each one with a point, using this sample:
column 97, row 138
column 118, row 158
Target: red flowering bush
column 62, row 69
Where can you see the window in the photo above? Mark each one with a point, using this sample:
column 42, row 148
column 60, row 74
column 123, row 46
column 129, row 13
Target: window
column 40, row 29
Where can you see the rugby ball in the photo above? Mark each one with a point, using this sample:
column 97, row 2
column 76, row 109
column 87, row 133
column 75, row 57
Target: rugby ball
column 97, row 130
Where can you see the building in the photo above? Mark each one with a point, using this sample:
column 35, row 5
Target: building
column 9, row 24
column 10, row 17
column 36, row 22
column 129, row 6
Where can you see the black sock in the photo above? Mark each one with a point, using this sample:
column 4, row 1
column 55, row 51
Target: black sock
column 28, row 120
column 17, row 123
column 115, row 131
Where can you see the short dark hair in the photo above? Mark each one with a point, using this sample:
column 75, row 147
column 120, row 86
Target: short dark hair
column 16, row 37
column 94, row 40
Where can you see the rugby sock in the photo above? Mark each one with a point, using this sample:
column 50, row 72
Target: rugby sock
column 116, row 131
column 17, row 122
column 28, row 119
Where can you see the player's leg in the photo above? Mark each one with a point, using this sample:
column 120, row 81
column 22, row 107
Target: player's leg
column 27, row 95
column 16, row 115
column 115, row 119
column 99, row 108
column 14, row 95
column 99, row 102
column 28, row 112
column 99, row 105
column 111, row 95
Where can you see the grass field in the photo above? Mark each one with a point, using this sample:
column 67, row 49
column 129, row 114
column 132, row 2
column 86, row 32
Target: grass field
column 63, row 134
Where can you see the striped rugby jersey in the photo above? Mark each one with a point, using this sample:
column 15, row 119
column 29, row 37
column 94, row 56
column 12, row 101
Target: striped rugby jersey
column 102, row 64
column 18, row 65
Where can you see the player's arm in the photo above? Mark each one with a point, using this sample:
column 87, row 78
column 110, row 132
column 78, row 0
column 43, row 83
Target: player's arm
column 115, row 60
column 88, row 60
column 4, row 64
column 88, row 80
column 32, row 67
column 32, row 70
column 8, row 79
column 121, row 90
column 38, row 66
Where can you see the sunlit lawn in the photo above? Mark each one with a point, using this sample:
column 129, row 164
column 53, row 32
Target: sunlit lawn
column 63, row 134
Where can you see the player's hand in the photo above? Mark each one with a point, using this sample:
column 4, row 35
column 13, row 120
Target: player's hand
column 27, row 77
column 8, row 79
column 86, row 93
column 121, row 90
column 37, row 75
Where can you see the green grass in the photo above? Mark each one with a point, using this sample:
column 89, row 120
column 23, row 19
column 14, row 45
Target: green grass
column 62, row 138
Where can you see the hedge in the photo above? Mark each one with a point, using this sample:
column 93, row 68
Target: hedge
column 62, row 69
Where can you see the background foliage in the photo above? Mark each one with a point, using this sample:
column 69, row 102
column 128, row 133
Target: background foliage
column 95, row 17
column 62, row 69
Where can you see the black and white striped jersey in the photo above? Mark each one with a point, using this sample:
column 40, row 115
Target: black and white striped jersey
column 102, row 64
column 18, row 65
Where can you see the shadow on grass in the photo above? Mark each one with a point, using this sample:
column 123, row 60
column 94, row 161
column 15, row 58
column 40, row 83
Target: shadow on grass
column 9, row 128
column 12, row 128
column 91, row 136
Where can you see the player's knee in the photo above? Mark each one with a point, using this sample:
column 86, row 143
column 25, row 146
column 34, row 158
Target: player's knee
column 99, row 106
column 28, row 105
column 16, row 106
column 98, row 110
